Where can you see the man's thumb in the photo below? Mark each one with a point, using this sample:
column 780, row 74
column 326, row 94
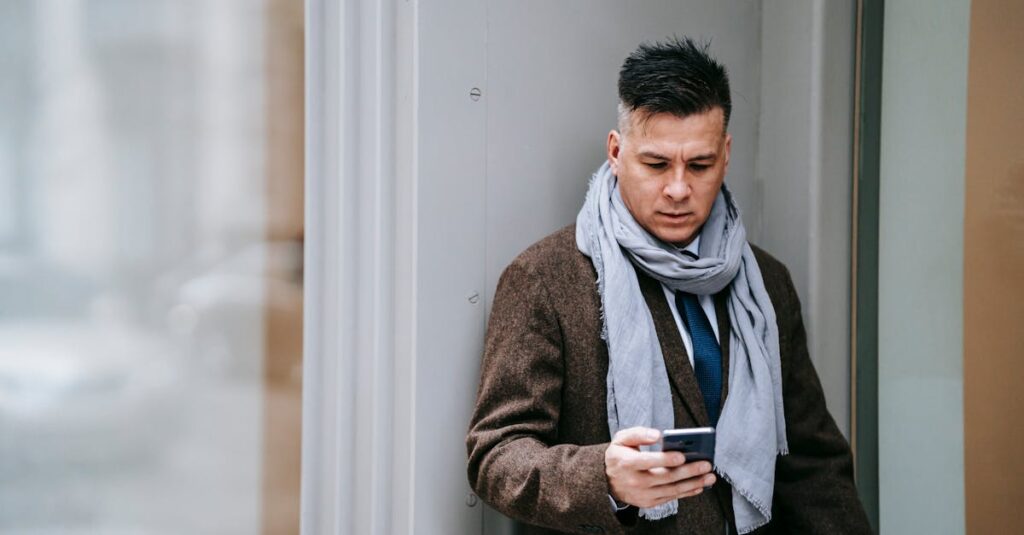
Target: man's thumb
column 636, row 436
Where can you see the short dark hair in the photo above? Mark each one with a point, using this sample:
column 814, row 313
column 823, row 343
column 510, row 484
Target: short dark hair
column 675, row 76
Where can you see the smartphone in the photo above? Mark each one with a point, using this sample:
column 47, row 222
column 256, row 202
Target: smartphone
column 697, row 443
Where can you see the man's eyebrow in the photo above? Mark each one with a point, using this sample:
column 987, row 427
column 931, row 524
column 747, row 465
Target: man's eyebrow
column 658, row 156
column 654, row 155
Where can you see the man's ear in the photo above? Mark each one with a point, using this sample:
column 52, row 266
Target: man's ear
column 614, row 145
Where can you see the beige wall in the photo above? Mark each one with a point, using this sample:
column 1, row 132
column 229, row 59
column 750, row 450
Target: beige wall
column 994, row 269
column 282, row 315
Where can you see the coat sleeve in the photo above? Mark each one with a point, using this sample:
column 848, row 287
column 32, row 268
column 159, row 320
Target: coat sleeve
column 814, row 488
column 516, row 463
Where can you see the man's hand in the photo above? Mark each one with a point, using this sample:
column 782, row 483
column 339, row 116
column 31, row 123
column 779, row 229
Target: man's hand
column 647, row 478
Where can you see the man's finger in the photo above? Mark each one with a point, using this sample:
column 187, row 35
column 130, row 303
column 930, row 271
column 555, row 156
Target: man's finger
column 673, row 475
column 685, row 486
column 657, row 496
column 636, row 436
column 652, row 460
column 662, row 498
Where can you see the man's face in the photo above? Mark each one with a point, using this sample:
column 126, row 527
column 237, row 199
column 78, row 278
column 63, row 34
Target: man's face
column 670, row 170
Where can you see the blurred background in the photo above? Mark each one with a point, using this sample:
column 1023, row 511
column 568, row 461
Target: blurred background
column 151, row 236
column 152, row 243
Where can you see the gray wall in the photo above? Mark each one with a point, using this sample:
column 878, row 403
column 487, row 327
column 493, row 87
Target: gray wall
column 499, row 173
column 419, row 195
column 804, row 173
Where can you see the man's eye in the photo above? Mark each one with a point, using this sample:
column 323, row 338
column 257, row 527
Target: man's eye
column 656, row 165
column 698, row 167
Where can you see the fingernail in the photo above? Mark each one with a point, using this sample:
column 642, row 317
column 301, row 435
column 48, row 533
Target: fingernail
column 653, row 434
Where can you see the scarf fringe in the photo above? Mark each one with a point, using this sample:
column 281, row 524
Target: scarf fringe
column 765, row 510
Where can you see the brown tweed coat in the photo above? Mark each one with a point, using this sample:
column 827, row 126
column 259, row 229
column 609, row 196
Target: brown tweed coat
column 539, row 430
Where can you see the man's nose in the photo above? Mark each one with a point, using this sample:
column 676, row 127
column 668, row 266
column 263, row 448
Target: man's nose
column 677, row 189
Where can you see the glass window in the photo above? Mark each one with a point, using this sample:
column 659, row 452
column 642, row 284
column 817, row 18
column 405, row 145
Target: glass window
column 150, row 266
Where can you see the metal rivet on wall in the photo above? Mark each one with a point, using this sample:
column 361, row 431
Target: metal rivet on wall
column 474, row 298
column 475, row 94
column 471, row 500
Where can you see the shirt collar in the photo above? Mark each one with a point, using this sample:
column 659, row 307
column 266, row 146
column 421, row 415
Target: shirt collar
column 694, row 247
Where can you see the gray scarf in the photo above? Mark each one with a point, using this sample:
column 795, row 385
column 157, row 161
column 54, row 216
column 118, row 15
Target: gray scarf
column 751, row 429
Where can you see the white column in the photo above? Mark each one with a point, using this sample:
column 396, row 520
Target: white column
column 358, row 439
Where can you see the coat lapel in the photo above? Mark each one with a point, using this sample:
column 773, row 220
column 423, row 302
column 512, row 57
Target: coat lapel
column 677, row 362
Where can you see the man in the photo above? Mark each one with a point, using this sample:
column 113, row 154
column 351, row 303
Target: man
column 651, row 313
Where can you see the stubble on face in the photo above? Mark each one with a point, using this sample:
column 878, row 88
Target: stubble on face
column 670, row 170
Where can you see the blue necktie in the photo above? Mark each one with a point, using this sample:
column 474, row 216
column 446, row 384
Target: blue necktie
column 707, row 355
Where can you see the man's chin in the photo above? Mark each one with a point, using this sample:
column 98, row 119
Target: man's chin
column 677, row 238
